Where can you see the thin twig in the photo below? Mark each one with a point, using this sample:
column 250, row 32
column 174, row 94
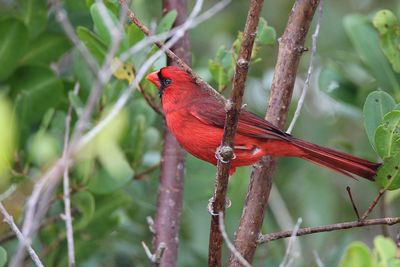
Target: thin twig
column 231, row 247
column 348, row 189
column 123, row 99
column 151, row 101
column 329, row 228
column 281, row 213
column 373, row 204
column 67, row 199
column 157, row 255
column 310, row 69
column 62, row 18
column 39, row 201
column 220, row 5
column 10, row 221
column 318, row 260
column 233, row 107
column 142, row 174
column 287, row 259
column 51, row 177
column 11, row 235
column 291, row 47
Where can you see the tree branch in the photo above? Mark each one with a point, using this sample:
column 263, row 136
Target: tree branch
column 225, row 153
column 229, row 243
column 328, row 228
column 291, row 47
column 67, row 198
column 373, row 204
column 170, row 54
column 169, row 200
column 26, row 243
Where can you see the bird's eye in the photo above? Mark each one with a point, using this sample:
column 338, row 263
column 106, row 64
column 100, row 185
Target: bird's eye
column 167, row 82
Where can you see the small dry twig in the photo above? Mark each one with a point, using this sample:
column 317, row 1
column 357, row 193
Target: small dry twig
column 26, row 243
column 310, row 69
column 231, row 247
column 348, row 189
column 67, row 199
column 373, row 204
column 328, row 228
column 289, row 254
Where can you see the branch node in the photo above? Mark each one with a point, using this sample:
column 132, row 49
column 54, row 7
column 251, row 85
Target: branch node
column 228, row 105
column 157, row 255
column 210, row 207
column 224, row 154
column 150, row 222
column 242, row 63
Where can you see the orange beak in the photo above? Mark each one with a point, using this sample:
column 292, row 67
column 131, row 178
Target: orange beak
column 153, row 77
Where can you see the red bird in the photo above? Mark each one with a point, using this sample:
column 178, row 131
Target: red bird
column 197, row 121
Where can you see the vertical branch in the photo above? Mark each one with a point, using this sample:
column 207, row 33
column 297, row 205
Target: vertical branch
column 291, row 46
column 225, row 152
column 10, row 221
column 67, row 197
column 169, row 202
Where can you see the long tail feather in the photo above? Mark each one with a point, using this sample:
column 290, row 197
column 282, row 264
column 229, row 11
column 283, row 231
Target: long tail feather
column 338, row 161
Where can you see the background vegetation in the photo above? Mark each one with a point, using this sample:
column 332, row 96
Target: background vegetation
column 111, row 197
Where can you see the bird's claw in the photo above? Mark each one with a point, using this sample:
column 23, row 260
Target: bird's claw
column 210, row 208
column 224, row 150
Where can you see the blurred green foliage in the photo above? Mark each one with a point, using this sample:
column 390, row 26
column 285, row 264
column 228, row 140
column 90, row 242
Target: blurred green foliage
column 356, row 72
column 358, row 254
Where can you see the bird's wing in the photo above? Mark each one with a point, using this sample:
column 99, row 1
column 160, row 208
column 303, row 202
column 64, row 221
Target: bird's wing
column 211, row 112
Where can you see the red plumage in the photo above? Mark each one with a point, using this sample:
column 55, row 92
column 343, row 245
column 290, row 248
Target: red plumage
column 197, row 121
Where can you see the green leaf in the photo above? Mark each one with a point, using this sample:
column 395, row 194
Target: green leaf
column 13, row 43
column 43, row 148
column 115, row 174
column 137, row 147
column 387, row 135
column 45, row 49
column 3, row 257
column 266, row 35
column 37, row 89
column 100, row 25
column 386, row 250
column 93, row 43
column 134, row 34
column 166, row 22
column 85, row 203
column 34, row 15
column 389, row 32
column 357, row 254
column 377, row 104
column 218, row 73
column 366, row 43
column 336, row 85
column 75, row 102
column 224, row 57
column 116, row 171
column 7, row 139
column 388, row 175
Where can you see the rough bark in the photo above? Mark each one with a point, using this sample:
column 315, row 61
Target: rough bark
column 291, row 46
column 169, row 202
column 225, row 153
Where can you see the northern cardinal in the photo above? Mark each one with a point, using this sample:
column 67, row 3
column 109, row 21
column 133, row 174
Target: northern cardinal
column 197, row 120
